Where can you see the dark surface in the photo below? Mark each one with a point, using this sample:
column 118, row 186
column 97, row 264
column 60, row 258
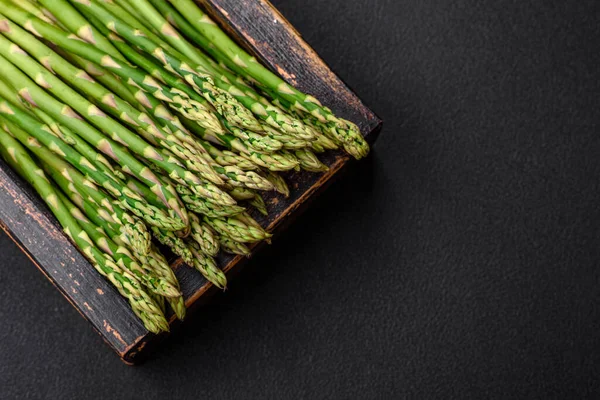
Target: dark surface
column 460, row 261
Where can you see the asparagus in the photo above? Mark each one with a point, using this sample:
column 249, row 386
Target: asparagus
column 309, row 161
column 241, row 194
column 238, row 60
column 60, row 131
column 150, row 259
column 37, row 97
column 259, row 203
column 178, row 306
column 241, row 140
column 207, row 266
column 160, row 301
column 204, row 236
column 272, row 161
column 134, row 230
column 223, row 80
column 177, row 245
column 227, row 158
column 75, row 22
column 113, row 185
column 237, row 228
column 278, row 182
column 130, row 75
column 233, row 111
column 107, row 100
column 111, row 220
column 233, row 175
column 121, row 254
column 125, row 283
column 268, row 113
column 233, row 247
column 203, row 207
column 110, row 127
column 323, row 143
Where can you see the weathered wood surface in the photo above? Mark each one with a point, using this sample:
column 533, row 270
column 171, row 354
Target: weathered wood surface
column 258, row 26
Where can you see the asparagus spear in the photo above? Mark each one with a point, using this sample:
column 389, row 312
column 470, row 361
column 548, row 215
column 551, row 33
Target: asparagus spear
column 75, row 22
column 238, row 228
column 259, row 203
column 178, row 306
column 241, row 194
column 226, row 80
column 203, row 207
column 133, row 229
column 234, row 112
column 201, row 63
column 111, row 220
column 278, row 182
column 121, row 254
column 272, row 161
column 234, row 176
column 116, row 131
column 112, row 184
column 37, row 97
column 125, row 283
column 107, row 100
column 233, row 247
column 60, row 131
column 204, row 236
column 238, row 60
column 309, row 161
column 176, row 244
column 249, row 139
column 152, row 259
column 207, row 266
column 130, row 75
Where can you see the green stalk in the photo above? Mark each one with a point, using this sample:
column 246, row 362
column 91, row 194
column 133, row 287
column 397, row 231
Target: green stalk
column 278, row 182
column 113, row 185
column 111, row 128
column 238, row 60
column 241, row 194
column 151, row 259
column 37, row 97
column 222, row 79
column 309, row 161
column 120, row 254
column 176, row 244
column 111, row 220
column 233, row 247
column 178, row 306
column 238, row 228
column 125, row 283
column 75, row 22
column 134, row 229
column 60, row 131
column 204, row 236
column 226, row 80
column 233, row 111
column 130, row 75
column 273, row 161
column 107, row 100
column 189, row 88
column 207, row 266
column 259, row 203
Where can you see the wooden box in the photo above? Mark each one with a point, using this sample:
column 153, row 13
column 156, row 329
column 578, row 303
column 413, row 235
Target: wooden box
column 259, row 27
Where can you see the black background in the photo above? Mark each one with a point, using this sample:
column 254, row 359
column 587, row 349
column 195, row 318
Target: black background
column 459, row 261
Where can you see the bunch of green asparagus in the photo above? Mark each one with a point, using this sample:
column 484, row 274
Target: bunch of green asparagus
column 142, row 119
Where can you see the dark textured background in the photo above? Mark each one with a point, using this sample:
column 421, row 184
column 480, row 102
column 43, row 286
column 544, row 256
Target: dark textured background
column 460, row 261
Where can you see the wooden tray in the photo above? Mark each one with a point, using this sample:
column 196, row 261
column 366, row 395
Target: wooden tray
column 259, row 27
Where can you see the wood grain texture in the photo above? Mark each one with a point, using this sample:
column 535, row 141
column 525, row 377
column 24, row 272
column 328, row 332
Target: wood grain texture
column 263, row 31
